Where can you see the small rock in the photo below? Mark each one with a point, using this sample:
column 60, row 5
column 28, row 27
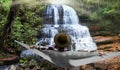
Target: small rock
column 12, row 67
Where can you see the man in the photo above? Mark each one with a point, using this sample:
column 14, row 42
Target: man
column 62, row 44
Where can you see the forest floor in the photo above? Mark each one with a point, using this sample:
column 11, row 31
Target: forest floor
column 104, row 43
column 107, row 44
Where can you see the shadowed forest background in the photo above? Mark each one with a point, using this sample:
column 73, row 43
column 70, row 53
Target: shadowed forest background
column 22, row 19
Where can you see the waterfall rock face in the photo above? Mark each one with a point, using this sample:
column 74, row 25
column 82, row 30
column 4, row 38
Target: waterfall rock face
column 63, row 19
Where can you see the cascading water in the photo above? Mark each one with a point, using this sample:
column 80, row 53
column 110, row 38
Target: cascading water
column 63, row 19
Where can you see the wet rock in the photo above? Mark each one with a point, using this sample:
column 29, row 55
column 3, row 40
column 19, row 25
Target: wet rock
column 12, row 67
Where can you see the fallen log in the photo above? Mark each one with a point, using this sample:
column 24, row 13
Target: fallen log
column 9, row 60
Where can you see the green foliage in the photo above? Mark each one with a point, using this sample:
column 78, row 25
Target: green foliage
column 107, row 14
column 21, row 61
column 5, row 5
column 26, row 24
column 4, row 9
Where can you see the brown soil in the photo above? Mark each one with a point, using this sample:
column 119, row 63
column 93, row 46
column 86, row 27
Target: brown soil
column 112, row 46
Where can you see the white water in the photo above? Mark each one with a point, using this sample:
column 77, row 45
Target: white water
column 63, row 19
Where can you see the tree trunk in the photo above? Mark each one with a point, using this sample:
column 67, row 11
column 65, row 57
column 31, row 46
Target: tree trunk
column 7, row 27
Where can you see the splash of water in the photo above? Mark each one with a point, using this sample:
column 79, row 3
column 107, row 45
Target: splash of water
column 63, row 19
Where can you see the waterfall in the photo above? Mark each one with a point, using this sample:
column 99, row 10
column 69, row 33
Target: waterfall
column 64, row 19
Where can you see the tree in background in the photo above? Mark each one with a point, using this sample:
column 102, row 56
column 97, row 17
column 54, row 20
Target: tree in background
column 8, row 26
column 24, row 19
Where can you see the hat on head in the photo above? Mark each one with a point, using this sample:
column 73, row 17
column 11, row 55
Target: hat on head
column 62, row 40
